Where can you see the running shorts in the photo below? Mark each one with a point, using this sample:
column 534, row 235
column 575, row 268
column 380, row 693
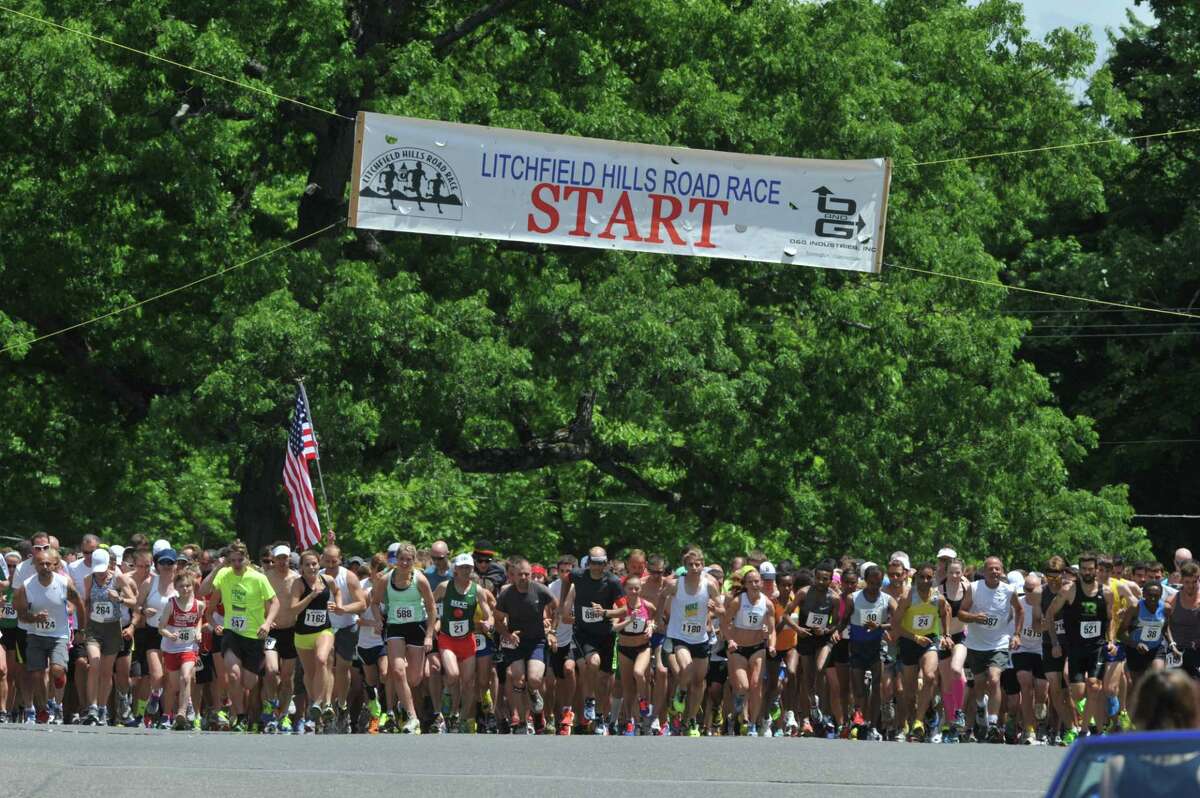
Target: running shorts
column 1051, row 663
column 1139, row 662
column 284, row 642
column 107, row 636
column 1117, row 657
column 911, row 653
column 307, row 641
column 526, row 650
column 1009, row 682
column 865, row 655
column 252, row 652
column 371, row 656
column 810, row 646
column 718, row 671
column 345, row 643
column 697, row 650
column 840, row 655
column 14, row 639
column 413, row 634
column 204, row 668
column 1029, row 662
column 558, row 661
column 981, row 661
column 632, row 652
column 602, row 645
column 461, row 647
column 1086, row 664
column 957, row 639
column 173, row 662
column 42, row 652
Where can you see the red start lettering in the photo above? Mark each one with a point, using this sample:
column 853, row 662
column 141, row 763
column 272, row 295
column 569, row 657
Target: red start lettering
column 622, row 222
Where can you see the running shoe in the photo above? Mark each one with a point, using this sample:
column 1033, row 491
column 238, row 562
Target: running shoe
column 643, row 707
column 1069, row 736
column 1029, row 737
column 470, row 726
column 75, row 720
column 664, row 731
column 693, row 728
column 589, row 709
column 285, row 725
column 536, row 701
column 950, row 734
column 1124, row 722
column 180, row 723
column 789, row 723
column 935, row 735
column 995, row 734
column 439, row 724
column 777, row 709
column 679, row 701
column 858, row 719
column 778, row 732
column 412, row 727
column 529, row 730
column 485, row 703
column 752, row 730
column 917, row 733
column 92, row 718
column 601, row 729
column 873, row 734
column 154, row 704
column 806, row 728
column 655, row 727
column 329, row 719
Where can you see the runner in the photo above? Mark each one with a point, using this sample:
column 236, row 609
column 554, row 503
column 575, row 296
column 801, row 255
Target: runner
column 405, row 599
column 460, row 606
column 1087, row 611
column 1144, row 628
column 280, row 648
column 1062, row 708
column 1184, row 625
column 749, row 631
column 592, row 594
column 1125, row 595
column 1027, row 660
column 837, row 666
column 151, row 603
column 924, row 616
column 250, row 608
column 344, row 606
column 810, row 615
column 786, row 670
column 894, row 701
column 106, row 591
column 634, row 625
column 372, row 652
column 78, row 570
column 12, row 638
column 180, row 629
column 992, row 608
column 688, row 603
column 42, row 601
column 870, row 618
column 562, row 662
column 654, row 587
column 312, row 595
column 524, row 611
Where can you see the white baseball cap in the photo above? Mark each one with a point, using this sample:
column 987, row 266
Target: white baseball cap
column 159, row 545
column 946, row 551
column 767, row 571
column 281, row 551
column 99, row 561
column 1016, row 578
column 116, row 552
column 900, row 557
column 464, row 559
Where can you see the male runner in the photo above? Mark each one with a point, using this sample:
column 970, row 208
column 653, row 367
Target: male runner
column 686, row 602
column 349, row 600
column 593, row 593
column 524, row 611
column 1087, row 611
column 280, row 649
column 42, row 601
column 990, row 609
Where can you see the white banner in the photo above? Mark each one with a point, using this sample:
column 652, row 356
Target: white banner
column 420, row 176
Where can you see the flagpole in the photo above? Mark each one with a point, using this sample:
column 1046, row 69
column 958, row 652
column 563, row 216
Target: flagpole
column 329, row 535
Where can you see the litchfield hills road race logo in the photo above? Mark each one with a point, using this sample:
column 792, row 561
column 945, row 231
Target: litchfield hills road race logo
column 407, row 181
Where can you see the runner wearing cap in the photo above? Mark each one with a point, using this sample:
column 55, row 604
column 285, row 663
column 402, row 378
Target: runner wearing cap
column 106, row 591
column 280, row 648
column 592, row 596
column 460, row 606
column 406, row 601
column 251, row 606
column 151, row 603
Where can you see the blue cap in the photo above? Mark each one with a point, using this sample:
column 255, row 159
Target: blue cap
column 166, row 555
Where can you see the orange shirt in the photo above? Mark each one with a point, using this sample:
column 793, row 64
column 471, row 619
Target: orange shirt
column 785, row 636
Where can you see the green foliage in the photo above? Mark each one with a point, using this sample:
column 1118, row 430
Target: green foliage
column 736, row 404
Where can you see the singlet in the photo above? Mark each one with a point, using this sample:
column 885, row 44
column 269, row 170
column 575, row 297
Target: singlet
column 955, row 604
column 995, row 633
column 638, row 619
column 923, row 617
column 1060, row 627
column 785, row 636
column 565, row 630
column 367, row 636
column 1185, row 624
column 53, row 599
column 404, row 605
column 458, row 610
column 156, row 600
column 8, row 613
column 104, row 609
column 750, row 615
column 182, row 622
column 865, row 610
column 1086, row 619
column 817, row 612
column 689, row 613
column 315, row 617
column 1031, row 641
column 1148, row 626
column 343, row 620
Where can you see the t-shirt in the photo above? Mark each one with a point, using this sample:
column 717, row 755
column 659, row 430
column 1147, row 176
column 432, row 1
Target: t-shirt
column 244, row 598
column 526, row 610
column 435, row 579
column 604, row 591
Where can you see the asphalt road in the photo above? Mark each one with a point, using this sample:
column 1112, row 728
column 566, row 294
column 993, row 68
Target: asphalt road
column 65, row 760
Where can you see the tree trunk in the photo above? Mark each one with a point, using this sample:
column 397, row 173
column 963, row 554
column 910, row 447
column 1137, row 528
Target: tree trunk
column 260, row 510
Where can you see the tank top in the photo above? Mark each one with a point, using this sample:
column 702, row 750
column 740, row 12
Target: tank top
column 156, row 600
column 1060, row 626
column 343, row 620
column 1148, row 627
column 750, row 615
column 367, row 636
column 1031, row 641
column 638, row 619
column 785, row 636
column 865, row 610
column 1185, row 624
column 817, row 614
column 955, row 604
column 1086, row 619
column 51, row 598
column 923, row 617
column 8, row 613
column 315, row 617
column 689, row 613
column 182, row 621
column 104, row 609
column 995, row 632
column 458, row 610
column 404, row 605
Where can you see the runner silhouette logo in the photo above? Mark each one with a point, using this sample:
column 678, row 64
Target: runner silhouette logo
column 407, row 181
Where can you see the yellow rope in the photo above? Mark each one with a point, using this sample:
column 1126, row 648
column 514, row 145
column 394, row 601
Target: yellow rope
column 206, row 73
column 1112, row 140
column 170, row 291
column 997, row 284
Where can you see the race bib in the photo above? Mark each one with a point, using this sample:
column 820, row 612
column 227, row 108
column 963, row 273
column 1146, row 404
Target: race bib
column 315, row 617
column 187, row 634
column 922, row 623
column 507, row 645
column 48, row 625
column 8, row 612
column 237, row 623
column 1027, row 633
column 460, row 628
column 870, row 616
column 1174, row 660
column 636, row 626
column 991, row 622
column 692, row 628
column 1089, row 629
column 1060, row 626
column 817, row 620
column 1152, row 632
column 592, row 615
column 753, row 619
column 103, row 611
column 480, row 642
column 270, row 644
column 403, row 614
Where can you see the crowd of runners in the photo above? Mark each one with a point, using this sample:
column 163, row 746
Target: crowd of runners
column 426, row 641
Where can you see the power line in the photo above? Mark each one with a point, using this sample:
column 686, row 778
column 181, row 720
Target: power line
column 1161, row 440
column 1114, row 335
column 206, row 73
column 170, row 291
column 1020, row 311
column 1179, row 325
column 1164, row 515
column 1093, row 142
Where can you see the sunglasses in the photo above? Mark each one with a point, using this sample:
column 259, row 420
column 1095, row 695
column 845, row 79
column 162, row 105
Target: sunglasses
column 42, row 547
column 483, row 559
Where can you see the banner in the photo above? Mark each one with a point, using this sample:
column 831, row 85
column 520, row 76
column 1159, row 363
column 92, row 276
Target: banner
column 421, row 176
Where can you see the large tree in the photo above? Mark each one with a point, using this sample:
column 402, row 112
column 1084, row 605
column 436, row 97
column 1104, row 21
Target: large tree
column 543, row 397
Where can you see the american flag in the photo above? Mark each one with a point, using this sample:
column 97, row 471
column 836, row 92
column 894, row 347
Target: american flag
column 302, row 447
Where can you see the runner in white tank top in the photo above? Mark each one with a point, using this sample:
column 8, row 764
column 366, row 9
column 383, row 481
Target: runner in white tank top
column 749, row 631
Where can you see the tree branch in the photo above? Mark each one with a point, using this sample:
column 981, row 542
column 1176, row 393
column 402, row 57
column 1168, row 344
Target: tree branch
column 471, row 24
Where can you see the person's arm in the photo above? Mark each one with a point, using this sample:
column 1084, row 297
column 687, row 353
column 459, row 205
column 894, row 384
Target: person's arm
column 439, row 594
column 430, row 608
column 87, row 601
column 501, row 617
column 127, row 591
column 1125, row 626
column 770, row 628
column 379, row 596
column 20, row 603
column 968, row 603
column 1065, row 594
column 76, row 599
column 667, row 596
column 358, row 596
column 1110, row 599
column 568, row 605
column 141, row 611
column 208, row 585
column 1019, row 621
column 887, row 627
column 549, row 616
column 798, row 600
